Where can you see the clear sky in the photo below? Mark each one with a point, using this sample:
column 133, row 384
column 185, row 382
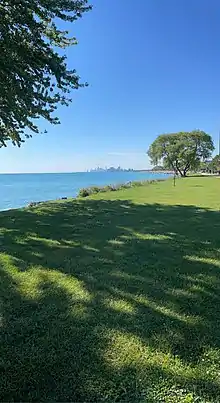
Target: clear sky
column 153, row 67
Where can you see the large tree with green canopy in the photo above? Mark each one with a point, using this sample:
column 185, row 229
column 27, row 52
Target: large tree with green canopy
column 34, row 77
column 181, row 151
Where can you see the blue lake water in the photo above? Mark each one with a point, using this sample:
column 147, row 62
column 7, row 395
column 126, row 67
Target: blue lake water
column 17, row 190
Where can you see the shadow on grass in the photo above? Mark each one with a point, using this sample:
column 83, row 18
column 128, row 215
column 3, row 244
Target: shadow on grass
column 85, row 278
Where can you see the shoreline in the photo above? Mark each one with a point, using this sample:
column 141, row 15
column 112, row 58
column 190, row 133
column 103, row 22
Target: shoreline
column 89, row 191
column 31, row 190
column 86, row 172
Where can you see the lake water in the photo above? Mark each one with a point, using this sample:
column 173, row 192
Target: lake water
column 17, row 190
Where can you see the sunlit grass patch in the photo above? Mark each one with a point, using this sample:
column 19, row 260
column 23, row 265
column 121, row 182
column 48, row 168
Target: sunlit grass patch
column 113, row 298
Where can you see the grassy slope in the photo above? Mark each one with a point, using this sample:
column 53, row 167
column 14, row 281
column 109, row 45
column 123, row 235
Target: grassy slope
column 115, row 297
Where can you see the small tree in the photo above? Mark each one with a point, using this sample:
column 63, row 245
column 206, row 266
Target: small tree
column 182, row 151
column 215, row 163
column 34, row 77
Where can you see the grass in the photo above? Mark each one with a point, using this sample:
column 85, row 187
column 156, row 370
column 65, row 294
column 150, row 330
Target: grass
column 113, row 298
column 85, row 192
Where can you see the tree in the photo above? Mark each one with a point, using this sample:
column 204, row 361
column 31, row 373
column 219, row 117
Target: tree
column 182, row 151
column 214, row 165
column 204, row 166
column 34, row 77
column 158, row 168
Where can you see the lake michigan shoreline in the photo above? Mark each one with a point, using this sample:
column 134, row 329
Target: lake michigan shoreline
column 22, row 190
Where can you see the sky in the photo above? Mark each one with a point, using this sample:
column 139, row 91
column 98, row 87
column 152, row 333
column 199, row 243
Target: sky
column 153, row 67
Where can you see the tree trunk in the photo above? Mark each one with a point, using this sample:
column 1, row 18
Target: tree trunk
column 182, row 174
column 179, row 171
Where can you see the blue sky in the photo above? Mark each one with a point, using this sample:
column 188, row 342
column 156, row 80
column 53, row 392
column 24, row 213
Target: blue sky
column 153, row 67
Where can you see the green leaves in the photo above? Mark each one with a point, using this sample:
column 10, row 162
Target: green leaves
column 34, row 78
column 181, row 151
column 214, row 165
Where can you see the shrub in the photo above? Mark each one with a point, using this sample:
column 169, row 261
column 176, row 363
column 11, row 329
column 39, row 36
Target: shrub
column 126, row 185
column 85, row 192
column 94, row 189
column 138, row 183
column 113, row 188
column 106, row 188
column 33, row 204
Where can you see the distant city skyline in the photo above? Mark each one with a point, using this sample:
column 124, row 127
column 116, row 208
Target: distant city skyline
column 67, row 161
column 109, row 168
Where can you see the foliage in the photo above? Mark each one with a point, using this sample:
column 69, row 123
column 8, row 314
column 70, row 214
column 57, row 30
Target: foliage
column 182, row 151
column 158, row 168
column 211, row 166
column 114, row 298
column 33, row 204
column 203, row 166
column 214, row 165
column 34, row 77
column 85, row 192
column 94, row 189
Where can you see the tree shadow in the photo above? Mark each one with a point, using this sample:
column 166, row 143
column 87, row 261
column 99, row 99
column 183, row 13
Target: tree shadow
column 77, row 277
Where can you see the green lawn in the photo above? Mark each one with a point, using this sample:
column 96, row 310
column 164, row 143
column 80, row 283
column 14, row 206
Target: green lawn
column 113, row 298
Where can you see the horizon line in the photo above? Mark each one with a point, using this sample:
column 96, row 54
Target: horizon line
column 73, row 172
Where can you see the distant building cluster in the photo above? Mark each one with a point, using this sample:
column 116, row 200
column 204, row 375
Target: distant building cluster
column 111, row 169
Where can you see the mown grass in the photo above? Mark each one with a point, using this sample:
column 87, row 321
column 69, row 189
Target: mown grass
column 113, row 298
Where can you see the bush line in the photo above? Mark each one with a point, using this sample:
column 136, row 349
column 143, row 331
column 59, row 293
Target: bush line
column 85, row 192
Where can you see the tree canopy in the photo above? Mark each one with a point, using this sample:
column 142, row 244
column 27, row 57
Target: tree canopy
column 181, row 151
column 34, row 77
column 214, row 165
